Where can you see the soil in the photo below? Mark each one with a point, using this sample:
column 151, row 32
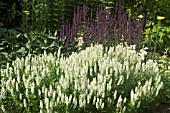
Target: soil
column 163, row 109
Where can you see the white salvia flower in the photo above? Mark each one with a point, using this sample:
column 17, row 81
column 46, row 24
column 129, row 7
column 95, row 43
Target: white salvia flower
column 20, row 96
column 45, row 92
column 97, row 103
column 16, row 85
column 3, row 92
column 59, row 93
column 25, row 103
column 13, row 82
column 62, row 98
column 109, row 87
column 124, row 109
column 80, row 103
column 32, row 75
column 70, row 98
column 39, row 92
column 136, row 89
column 124, row 100
column 49, row 94
column 75, row 102
column 66, row 100
column 115, row 94
column 132, row 96
column 26, row 93
column 121, row 80
column 54, row 95
column 158, row 88
column 94, row 100
column 3, row 108
column 88, row 98
column 41, row 110
column 32, row 88
column 51, row 88
column 102, row 106
column 84, row 103
column 38, row 81
column 119, row 101
column 18, row 79
column 51, row 103
column 138, row 105
column 12, row 92
column 135, row 97
column 8, row 84
column 144, row 89
column 41, row 104
column 58, row 99
column 47, row 103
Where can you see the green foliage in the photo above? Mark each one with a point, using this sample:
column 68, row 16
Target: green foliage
column 157, row 37
column 10, row 14
column 164, row 64
column 19, row 45
column 113, row 80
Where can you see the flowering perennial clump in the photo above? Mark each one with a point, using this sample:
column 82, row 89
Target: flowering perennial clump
column 115, row 79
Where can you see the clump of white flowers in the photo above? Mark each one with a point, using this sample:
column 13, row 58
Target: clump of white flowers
column 117, row 78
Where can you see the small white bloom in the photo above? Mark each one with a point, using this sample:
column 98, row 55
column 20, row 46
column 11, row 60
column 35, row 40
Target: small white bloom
column 58, row 99
column 70, row 98
column 26, row 93
column 3, row 108
column 51, row 103
column 41, row 104
column 20, row 96
column 54, row 95
column 41, row 110
column 25, row 103
column 39, row 92
column 66, row 100
column 115, row 94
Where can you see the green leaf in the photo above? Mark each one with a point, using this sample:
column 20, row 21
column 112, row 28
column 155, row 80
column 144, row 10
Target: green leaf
column 21, row 50
column 51, row 37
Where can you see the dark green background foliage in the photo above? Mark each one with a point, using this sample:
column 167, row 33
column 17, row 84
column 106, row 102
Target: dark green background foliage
column 10, row 11
column 48, row 13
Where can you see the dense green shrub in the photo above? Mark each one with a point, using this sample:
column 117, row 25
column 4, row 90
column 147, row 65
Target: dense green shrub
column 115, row 79
column 15, row 44
column 157, row 37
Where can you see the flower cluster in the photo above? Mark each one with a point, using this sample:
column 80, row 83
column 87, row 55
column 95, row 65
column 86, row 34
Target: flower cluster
column 115, row 78
column 105, row 28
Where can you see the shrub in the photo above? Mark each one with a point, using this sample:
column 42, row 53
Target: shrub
column 157, row 37
column 97, row 79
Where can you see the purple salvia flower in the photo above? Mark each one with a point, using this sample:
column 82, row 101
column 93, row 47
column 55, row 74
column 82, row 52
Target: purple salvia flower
column 93, row 30
column 71, row 36
column 80, row 19
column 62, row 32
column 87, row 37
column 91, row 15
column 74, row 21
column 67, row 29
column 85, row 8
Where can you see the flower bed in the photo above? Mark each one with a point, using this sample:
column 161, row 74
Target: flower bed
column 110, row 80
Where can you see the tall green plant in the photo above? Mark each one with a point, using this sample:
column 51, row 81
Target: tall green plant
column 157, row 36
